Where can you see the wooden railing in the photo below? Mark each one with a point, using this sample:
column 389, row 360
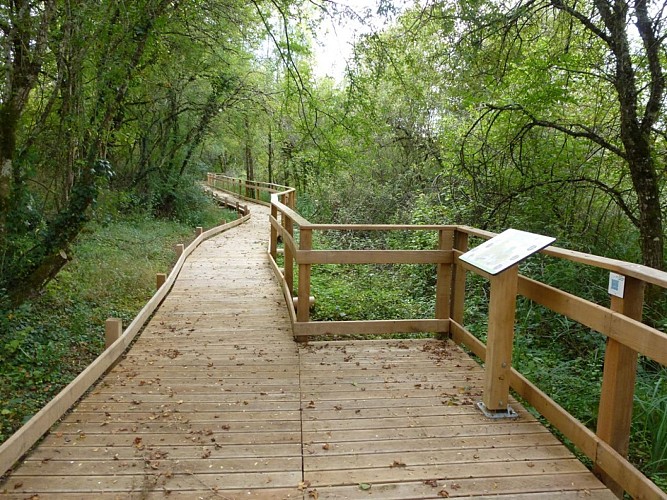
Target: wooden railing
column 621, row 323
column 258, row 192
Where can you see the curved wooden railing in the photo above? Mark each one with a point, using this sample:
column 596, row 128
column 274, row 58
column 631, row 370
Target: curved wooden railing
column 117, row 341
column 620, row 323
column 255, row 191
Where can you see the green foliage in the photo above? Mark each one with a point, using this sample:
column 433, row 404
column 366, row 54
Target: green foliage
column 649, row 437
column 361, row 292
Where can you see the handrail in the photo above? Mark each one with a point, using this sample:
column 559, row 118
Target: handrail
column 26, row 437
column 247, row 189
column 620, row 323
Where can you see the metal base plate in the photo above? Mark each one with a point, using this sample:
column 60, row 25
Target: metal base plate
column 509, row 413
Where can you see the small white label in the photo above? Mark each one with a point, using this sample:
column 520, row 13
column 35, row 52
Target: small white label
column 616, row 284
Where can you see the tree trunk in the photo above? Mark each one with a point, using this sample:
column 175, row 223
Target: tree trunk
column 635, row 128
column 640, row 106
column 24, row 40
column 270, row 155
column 646, row 185
column 40, row 264
column 248, row 158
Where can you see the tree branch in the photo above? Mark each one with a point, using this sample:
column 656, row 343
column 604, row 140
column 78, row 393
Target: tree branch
column 573, row 129
column 652, row 49
column 614, row 194
column 583, row 19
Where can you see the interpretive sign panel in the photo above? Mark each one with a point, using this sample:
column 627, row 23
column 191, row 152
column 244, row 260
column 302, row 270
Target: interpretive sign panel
column 505, row 250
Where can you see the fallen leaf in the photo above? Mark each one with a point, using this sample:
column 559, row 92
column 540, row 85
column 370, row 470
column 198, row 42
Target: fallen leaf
column 325, row 446
column 397, row 463
column 364, row 486
column 138, row 444
column 433, row 483
column 443, row 493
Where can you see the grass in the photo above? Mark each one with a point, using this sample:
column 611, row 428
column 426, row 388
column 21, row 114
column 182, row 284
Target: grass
column 649, row 436
column 49, row 340
column 361, row 292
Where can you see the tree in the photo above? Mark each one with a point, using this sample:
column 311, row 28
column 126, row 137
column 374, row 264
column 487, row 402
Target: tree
column 587, row 53
column 25, row 26
column 93, row 90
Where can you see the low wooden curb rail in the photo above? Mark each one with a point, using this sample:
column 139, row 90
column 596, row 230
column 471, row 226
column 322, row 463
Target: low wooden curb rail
column 23, row 439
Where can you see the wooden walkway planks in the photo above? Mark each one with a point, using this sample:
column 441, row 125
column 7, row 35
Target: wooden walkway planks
column 398, row 418
column 215, row 400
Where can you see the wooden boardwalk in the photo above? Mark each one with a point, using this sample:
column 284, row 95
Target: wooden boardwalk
column 215, row 400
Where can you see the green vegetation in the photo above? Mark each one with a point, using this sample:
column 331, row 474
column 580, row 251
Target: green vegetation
column 542, row 115
column 49, row 340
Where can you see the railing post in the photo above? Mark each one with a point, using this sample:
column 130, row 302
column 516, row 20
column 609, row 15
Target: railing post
column 288, row 225
column 113, row 329
column 618, row 380
column 199, row 230
column 303, row 309
column 273, row 242
column 458, row 279
column 179, row 249
column 160, row 279
column 444, row 276
column 502, row 304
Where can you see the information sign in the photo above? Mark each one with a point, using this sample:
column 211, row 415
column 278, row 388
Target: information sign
column 505, row 250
